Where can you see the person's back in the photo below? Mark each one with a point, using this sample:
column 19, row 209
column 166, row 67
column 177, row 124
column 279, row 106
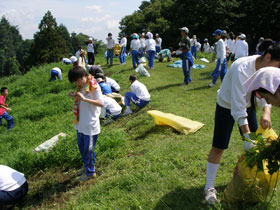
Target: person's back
column 241, row 49
column 150, row 44
column 113, row 84
column 106, row 89
column 111, row 105
column 140, row 90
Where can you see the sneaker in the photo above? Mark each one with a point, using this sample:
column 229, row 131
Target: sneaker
column 210, row 196
column 211, row 85
column 84, row 177
column 108, row 121
column 81, row 171
column 127, row 112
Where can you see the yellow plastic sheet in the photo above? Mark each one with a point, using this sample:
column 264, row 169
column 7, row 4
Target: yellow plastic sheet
column 117, row 49
column 249, row 185
column 181, row 124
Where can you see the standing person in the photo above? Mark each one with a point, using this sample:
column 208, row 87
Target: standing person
column 4, row 109
column 150, row 49
column 135, row 46
column 221, row 67
column 234, row 105
column 13, row 187
column 110, row 48
column 230, row 46
column 198, row 45
column 193, row 42
column 258, row 52
column 186, row 56
column 143, row 44
column 123, row 44
column 82, row 59
column 55, row 73
column 241, row 47
column 87, row 108
column 158, row 43
column 139, row 95
column 206, row 46
column 90, row 51
column 78, row 52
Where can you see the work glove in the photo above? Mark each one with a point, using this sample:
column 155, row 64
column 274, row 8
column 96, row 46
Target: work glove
column 248, row 143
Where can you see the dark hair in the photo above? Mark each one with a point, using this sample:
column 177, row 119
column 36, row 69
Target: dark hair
column 170, row 48
column 260, row 90
column 133, row 78
column 3, row 89
column 99, row 75
column 231, row 35
column 76, row 73
column 109, row 34
column 267, row 46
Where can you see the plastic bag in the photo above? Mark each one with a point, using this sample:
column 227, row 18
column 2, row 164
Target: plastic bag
column 143, row 60
column 142, row 71
column 249, row 185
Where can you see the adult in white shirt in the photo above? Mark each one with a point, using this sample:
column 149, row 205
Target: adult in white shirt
column 193, row 41
column 231, row 46
column 78, row 52
column 143, row 44
column 110, row 48
column 221, row 67
column 241, row 47
column 198, row 45
column 139, row 95
column 55, row 73
column 135, row 46
column 67, row 61
column 150, row 49
column 234, row 104
column 90, row 51
column 123, row 44
column 13, row 187
column 206, row 46
column 158, row 43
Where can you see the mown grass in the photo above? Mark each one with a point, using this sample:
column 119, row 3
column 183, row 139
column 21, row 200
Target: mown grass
column 139, row 165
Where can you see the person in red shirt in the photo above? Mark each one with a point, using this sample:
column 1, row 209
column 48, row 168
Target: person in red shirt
column 4, row 109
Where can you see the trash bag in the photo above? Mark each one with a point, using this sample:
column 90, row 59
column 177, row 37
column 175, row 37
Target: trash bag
column 142, row 71
column 249, row 185
column 143, row 60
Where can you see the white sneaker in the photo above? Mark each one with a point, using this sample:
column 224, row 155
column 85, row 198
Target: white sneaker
column 210, row 196
column 127, row 112
column 211, row 85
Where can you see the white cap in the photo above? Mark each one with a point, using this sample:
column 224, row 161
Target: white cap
column 89, row 39
column 99, row 80
column 242, row 36
column 185, row 29
column 149, row 34
column 73, row 59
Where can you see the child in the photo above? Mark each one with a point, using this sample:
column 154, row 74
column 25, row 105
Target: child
column 241, row 47
column 165, row 53
column 74, row 60
column 82, row 59
column 56, row 73
column 13, row 187
column 88, row 100
column 66, row 61
column 234, row 104
column 115, row 87
column 143, row 44
column 4, row 109
column 151, row 49
column 94, row 70
column 135, row 46
column 110, row 48
column 221, row 67
column 139, row 95
column 186, row 56
column 123, row 44
column 193, row 42
column 90, row 51
column 105, row 88
column 158, row 43
column 112, row 109
column 206, row 46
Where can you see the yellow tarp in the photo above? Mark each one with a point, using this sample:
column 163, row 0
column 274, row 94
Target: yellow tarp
column 249, row 185
column 181, row 124
column 117, row 49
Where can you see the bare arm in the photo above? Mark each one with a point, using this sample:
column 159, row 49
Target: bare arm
column 80, row 96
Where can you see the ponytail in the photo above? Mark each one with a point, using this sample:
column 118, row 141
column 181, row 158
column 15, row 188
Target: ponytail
column 267, row 46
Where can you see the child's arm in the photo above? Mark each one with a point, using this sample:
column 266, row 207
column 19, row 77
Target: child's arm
column 5, row 106
column 80, row 96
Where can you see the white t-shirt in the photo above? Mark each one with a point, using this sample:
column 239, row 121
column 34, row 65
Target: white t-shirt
column 110, row 43
column 135, row 44
column 89, row 114
column 123, row 42
column 151, row 44
column 206, row 47
column 57, row 69
column 230, row 45
column 158, row 41
column 140, row 90
column 198, row 46
column 66, row 61
column 90, row 48
column 112, row 83
column 143, row 42
column 77, row 54
column 241, row 49
column 193, row 42
column 221, row 50
column 232, row 94
column 10, row 179
column 111, row 105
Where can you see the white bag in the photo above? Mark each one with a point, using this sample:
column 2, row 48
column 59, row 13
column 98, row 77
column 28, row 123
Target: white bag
column 142, row 71
column 143, row 60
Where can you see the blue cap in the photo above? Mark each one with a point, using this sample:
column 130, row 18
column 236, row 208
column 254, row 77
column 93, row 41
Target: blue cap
column 218, row 32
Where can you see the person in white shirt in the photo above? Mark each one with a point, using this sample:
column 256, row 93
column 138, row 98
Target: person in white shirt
column 66, row 61
column 221, row 67
column 193, row 41
column 258, row 52
column 150, row 49
column 198, row 45
column 110, row 48
column 231, row 46
column 143, row 44
column 206, row 46
column 78, row 52
column 123, row 44
column 115, row 87
column 55, row 73
column 90, row 51
column 158, row 43
column 139, row 95
column 87, row 108
column 234, row 104
column 111, row 108
column 13, row 187
column 241, row 47
column 135, row 46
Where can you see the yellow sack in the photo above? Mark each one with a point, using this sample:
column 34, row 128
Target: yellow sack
column 117, row 49
column 249, row 185
column 181, row 124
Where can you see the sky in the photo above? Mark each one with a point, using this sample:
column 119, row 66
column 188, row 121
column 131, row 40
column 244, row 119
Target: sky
column 95, row 18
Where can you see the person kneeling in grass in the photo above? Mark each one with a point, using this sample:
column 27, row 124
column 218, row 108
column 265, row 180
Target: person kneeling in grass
column 139, row 95
column 87, row 108
column 112, row 109
column 4, row 109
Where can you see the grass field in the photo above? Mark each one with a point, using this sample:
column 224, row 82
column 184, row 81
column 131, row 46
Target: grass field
column 139, row 165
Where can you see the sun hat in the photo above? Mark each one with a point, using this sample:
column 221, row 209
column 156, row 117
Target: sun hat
column 185, row 29
column 73, row 59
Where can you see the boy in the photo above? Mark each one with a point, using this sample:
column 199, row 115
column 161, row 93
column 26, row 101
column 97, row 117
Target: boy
column 139, row 95
column 105, row 88
column 56, row 73
column 123, row 44
column 111, row 109
column 4, row 109
column 110, row 48
column 87, row 108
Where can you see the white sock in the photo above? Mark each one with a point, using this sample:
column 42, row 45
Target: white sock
column 211, row 173
column 128, row 108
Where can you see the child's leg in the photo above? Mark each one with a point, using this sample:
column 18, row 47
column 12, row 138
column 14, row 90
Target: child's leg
column 0, row 120
column 89, row 154
column 216, row 72
column 137, row 58
column 127, row 98
column 108, row 56
column 153, row 54
column 223, row 69
column 133, row 55
column 124, row 50
column 80, row 141
column 9, row 119
column 137, row 101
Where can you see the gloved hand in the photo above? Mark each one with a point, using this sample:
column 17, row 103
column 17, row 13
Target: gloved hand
column 248, row 142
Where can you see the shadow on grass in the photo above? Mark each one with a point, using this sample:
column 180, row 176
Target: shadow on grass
column 199, row 88
column 166, row 87
column 153, row 130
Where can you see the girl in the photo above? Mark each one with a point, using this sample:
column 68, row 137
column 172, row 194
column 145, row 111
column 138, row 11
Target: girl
column 234, row 104
column 151, row 49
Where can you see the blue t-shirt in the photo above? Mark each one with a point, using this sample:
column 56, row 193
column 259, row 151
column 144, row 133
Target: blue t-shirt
column 106, row 89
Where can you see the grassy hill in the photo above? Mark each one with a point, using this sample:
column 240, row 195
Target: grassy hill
column 139, row 165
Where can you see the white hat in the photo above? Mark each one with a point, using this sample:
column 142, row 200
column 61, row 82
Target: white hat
column 185, row 29
column 149, row 34
column 242, row 36
column 89, row 39
column 73, row 59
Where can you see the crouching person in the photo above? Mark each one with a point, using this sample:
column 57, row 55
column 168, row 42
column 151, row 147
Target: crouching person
column 139, row 95
column 87, row 108
column 112, row 109
column 13, row 187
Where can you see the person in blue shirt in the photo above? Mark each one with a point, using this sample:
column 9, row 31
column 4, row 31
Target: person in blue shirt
column 105, row 88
